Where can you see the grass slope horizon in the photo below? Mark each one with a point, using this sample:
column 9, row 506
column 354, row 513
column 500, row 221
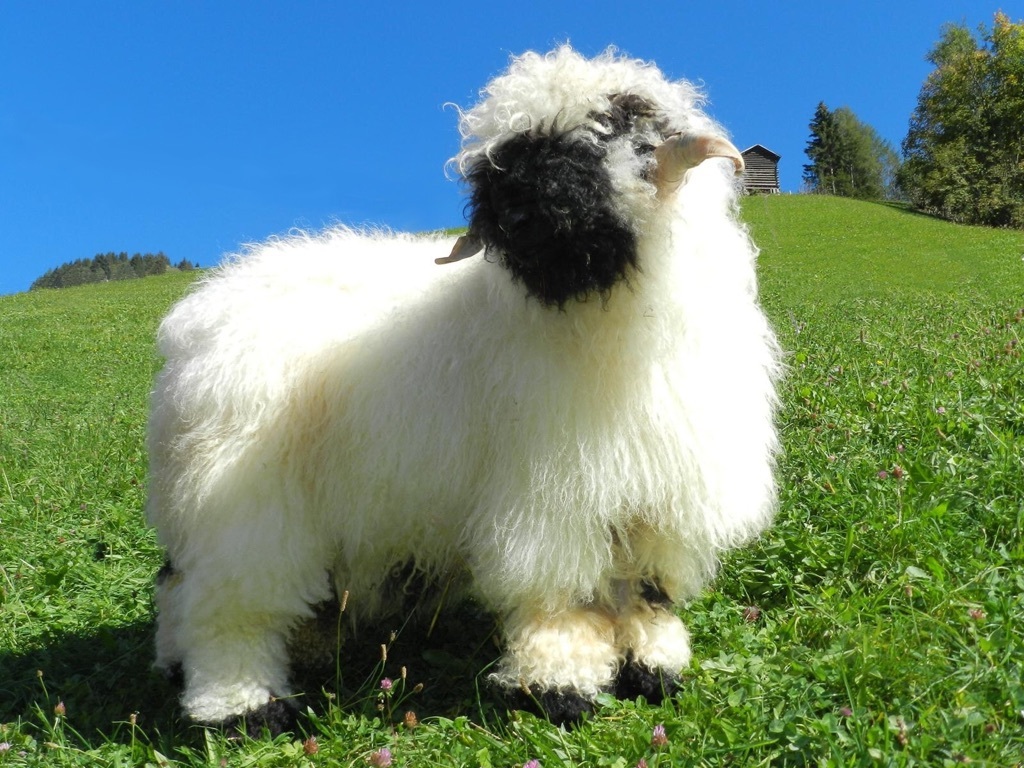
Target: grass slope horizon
column 880, row 620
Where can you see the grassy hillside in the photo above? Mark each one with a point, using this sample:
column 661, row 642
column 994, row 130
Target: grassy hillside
column 878, row 622
column 829, row 249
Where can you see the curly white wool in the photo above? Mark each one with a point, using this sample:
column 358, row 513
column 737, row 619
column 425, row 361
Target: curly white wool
column 564, row 89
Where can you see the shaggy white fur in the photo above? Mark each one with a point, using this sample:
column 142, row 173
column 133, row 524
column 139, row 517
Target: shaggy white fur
column 335, row 405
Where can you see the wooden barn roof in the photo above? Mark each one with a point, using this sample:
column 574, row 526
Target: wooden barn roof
column 760, row 149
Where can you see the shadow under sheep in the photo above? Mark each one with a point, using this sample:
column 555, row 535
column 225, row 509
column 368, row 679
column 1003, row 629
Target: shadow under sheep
column 102, row 677
column 105, row 676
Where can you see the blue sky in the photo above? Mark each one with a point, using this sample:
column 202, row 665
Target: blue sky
column 192, row 127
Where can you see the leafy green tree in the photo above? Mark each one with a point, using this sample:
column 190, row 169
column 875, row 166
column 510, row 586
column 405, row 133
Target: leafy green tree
column 964, row 152
column 848, row 157
column 138, row 265
column 158, row 264
column 121, row 270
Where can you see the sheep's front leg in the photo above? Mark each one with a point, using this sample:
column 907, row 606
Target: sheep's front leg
column 558, row 661
column 654, row 642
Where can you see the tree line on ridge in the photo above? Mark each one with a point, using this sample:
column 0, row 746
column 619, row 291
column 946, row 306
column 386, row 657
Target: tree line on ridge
column 104, row 267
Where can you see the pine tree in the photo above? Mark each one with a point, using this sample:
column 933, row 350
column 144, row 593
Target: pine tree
column 822, row 151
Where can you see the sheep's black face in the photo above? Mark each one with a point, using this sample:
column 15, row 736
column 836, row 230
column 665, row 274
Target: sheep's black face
column 545, row 207
column 547, row 213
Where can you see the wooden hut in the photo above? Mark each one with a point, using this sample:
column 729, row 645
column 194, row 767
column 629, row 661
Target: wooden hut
column 762, row 170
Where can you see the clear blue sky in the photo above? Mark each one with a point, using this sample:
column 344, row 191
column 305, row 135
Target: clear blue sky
column 191, row 127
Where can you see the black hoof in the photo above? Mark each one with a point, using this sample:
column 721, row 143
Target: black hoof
column 275, row 717
column 174, row 674
column 566, row 708
column 637, row 679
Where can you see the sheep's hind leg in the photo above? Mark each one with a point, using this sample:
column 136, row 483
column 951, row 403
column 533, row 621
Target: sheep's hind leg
column 557, row 663
column 167, row 598
column 654, row 643
column 235, row 657
column 236, row 675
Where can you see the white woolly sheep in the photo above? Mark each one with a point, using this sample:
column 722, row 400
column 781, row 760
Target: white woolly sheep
column 574, row 408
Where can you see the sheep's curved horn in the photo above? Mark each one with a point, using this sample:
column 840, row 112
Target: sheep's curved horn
column 679, row 153
column 465, row 246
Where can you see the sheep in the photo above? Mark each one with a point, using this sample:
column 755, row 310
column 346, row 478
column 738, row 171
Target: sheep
column 570, row 407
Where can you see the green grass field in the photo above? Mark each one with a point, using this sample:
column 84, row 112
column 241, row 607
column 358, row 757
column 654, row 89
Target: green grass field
column 879, row 622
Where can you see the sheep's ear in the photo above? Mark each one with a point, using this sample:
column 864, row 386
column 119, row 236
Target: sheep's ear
column 679, row 153
column 466, row 246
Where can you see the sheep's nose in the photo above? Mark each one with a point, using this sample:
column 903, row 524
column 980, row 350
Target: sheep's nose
column 679, row 153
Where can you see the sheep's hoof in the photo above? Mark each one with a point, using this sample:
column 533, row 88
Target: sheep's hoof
column 174, row 674
column 275, row 717
column 637, row 679
column 566, row 708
